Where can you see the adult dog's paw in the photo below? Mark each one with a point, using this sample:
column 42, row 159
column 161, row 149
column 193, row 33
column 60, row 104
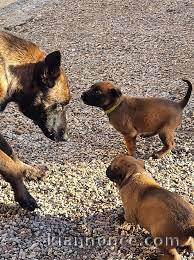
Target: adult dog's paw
column 26, row 201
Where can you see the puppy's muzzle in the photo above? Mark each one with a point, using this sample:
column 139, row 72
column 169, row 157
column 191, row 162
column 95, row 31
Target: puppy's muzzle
column 84, row 97
column 89, row 98
column 109, row 173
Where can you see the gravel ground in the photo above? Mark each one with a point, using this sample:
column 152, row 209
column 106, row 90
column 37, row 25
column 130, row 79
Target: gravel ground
column 4, row 3
column 145, row 48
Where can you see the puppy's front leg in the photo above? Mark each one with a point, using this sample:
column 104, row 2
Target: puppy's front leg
column 28, row 171
column 131, row 143
column 12, row 173
column 121, row 216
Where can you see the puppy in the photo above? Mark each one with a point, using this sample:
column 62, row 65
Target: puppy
column 163, row 213
column 132, row 116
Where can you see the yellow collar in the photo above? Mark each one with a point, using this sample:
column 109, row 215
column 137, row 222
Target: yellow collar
column 110, row 110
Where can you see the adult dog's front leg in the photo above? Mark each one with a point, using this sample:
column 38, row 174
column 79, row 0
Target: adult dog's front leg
column 13, row 174
column 29, row 171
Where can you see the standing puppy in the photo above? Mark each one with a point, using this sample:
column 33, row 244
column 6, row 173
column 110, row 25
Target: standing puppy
column 163, row 213
column 132, row 116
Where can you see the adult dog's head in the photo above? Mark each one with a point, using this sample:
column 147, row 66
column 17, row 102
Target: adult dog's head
column 45, row 102
column 102, row 94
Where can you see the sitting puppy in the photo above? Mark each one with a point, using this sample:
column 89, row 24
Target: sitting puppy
column 133, row 115
column 163, row 213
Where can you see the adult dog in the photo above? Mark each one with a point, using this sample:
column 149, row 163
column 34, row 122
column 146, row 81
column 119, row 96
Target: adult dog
column 38, row 85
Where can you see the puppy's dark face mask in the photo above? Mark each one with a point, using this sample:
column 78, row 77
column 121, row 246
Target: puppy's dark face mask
column 102, row 94
column 115, row 174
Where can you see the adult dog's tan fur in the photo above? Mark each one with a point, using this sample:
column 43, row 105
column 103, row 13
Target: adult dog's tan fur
column 37, row 84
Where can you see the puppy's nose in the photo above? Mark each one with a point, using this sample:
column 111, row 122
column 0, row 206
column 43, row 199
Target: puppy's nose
column 82, row 96
column 108, row 171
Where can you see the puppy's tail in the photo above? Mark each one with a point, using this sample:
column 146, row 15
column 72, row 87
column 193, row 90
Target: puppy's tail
column 185, row 100
column 189, row 231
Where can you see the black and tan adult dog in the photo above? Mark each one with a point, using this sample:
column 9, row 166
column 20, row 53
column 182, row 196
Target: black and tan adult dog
column 132, row 116
column 164, row 214
column 37, row 84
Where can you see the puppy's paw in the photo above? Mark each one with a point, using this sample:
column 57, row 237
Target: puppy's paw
column 121, row 219
column 153, row 257
column 121, row 216
column 159, row 154
column 156, row 156
column 35, row 173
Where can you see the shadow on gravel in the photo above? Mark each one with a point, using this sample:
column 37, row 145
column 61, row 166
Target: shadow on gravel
column 95, row 234
column 6, row 209
column 99, row 232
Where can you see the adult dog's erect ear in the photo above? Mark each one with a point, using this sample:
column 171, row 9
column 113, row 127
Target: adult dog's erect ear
column 53, row 62
column 116, row 92
column 47, row 71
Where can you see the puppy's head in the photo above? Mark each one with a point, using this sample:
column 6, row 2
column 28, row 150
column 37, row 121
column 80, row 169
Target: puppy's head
column 122, row 166
column 102, row 94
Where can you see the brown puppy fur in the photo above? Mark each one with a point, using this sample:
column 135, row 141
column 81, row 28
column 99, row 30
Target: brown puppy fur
column 163, row 213
column 132, row 116
column 37, row 84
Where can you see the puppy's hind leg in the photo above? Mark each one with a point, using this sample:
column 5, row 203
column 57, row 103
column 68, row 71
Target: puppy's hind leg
column 167, row 137
column 169, row 254
column 189, row 244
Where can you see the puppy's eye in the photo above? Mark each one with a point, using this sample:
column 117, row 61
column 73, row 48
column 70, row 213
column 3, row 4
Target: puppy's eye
column 98, row 92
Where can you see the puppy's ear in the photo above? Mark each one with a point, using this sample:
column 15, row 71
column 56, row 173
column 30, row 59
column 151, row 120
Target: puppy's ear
column 53, row 62
column 116, row 92
column 142, row 163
